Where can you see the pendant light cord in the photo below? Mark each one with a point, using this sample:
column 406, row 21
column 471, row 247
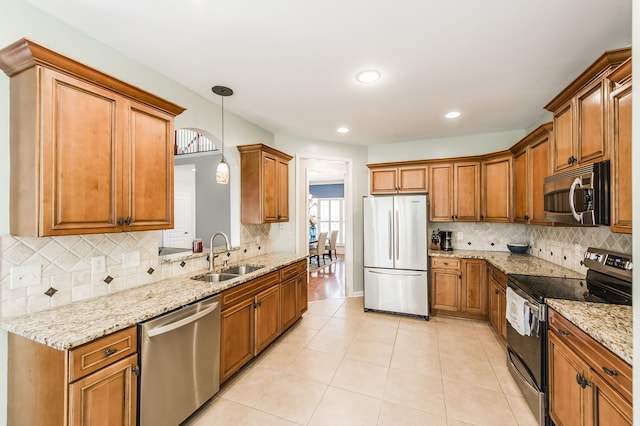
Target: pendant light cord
column 222, row 128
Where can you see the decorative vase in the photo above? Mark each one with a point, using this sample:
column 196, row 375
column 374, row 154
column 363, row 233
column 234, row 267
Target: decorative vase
column 312, row 232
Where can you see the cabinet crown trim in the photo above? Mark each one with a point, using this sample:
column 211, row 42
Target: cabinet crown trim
column 609, row 59
column 264, row 148
column 24, row 54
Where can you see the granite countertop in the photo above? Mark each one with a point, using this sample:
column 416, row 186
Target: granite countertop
column 510, row 263
column 71, row 325
column 610, row 325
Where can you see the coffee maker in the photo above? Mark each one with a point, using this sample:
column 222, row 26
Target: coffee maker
column 445, row 241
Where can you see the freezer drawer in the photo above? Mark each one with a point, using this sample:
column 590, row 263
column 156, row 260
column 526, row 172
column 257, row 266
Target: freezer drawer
column 394, row 290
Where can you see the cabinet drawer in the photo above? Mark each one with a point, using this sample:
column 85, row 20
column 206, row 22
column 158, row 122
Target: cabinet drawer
column 101, row 352
column 292, row 270
column 498, row 277
column 445, row 263
column 249, row 289
column 613, row 370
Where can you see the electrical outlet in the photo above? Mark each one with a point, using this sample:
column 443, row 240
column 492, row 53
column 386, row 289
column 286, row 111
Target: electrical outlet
column 98, row 265
column 131, row 259
column 460, row 235
column 25, row 275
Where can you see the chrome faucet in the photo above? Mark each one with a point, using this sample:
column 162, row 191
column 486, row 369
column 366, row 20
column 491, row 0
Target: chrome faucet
column 227, row 245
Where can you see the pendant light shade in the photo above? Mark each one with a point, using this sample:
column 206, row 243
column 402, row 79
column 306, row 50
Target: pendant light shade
column 222, row 171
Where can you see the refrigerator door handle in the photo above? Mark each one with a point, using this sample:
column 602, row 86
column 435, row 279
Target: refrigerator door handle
column 390, row 237
column 397, row 235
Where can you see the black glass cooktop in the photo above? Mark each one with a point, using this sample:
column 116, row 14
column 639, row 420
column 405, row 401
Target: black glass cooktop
column 595, row 287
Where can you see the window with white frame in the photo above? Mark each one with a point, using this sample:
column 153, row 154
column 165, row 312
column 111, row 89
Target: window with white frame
column 330, row 215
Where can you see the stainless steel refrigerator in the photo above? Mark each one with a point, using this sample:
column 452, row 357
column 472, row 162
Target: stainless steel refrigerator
column 395, row 254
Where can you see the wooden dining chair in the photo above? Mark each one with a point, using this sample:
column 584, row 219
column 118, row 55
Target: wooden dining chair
column 317, row 249
column 331, row 247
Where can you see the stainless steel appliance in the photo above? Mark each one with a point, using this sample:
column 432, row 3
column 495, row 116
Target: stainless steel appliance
column 395, row 254
column 445, row 241
column 579, row 196
column 608, row 280
column 180, row 362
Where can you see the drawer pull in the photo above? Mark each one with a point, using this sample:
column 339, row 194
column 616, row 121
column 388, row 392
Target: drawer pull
column 563, row 332
column 609, row 372
column 497, row 291
column 110, row 352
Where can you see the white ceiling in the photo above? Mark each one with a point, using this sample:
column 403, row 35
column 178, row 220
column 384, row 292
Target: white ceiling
column 292, row 63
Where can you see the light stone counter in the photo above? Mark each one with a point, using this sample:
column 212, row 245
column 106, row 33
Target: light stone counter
column 610, row 325
column 72, row 325
column 510, row 263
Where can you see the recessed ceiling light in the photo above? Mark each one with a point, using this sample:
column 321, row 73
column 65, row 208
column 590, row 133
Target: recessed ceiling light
column 368, row 76
column 342, row 130
column 453, row 114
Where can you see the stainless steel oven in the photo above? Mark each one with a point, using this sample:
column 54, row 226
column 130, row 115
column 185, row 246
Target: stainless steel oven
column 608, row 280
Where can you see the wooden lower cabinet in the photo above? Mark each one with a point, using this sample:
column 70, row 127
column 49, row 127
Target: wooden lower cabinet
column 458, row 287
column 255, row 313
column 588, row 385
column 93, row 384
column 497, row 283
column 107, row 397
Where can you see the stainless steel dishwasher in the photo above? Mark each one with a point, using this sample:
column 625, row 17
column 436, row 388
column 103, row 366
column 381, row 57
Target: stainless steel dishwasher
column 179, row 362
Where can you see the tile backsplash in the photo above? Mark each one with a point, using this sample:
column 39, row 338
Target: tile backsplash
column 563, row 246
column 66, row 265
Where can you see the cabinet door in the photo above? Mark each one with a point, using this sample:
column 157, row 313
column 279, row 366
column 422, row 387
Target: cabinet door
column 474, row 287
column 466, row 190
column 494, row 305
column 441, row 192
column 539, row 166
column 591, row 120
column 445, row 285
column 236, row 337
column 303, row 292
column 569, row 403
column 621, row 165
column 289, row 309
column 384, row 180
column 521, row 195
column 269, row 188
column 563, row 137
column 610, row 408
column 283, row 191
column 412, row 179
column 106, row 397
column 81, row 158
column 148, row 169
column 267, row 317
column 496, row 182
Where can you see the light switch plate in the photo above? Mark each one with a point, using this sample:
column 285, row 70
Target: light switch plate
column 26, row 275
column 98, row 265
column 131, row 259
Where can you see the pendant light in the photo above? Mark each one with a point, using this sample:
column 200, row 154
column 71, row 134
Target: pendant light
column 222, row 171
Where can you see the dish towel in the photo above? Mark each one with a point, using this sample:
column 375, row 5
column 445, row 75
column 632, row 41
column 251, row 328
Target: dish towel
column 517, row 313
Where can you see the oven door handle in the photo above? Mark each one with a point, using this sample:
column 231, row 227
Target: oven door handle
column 572, row 204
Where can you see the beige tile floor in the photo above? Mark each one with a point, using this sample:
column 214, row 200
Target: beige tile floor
column 342, row 366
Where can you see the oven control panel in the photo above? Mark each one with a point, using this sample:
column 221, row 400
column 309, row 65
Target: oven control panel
column 608, row 262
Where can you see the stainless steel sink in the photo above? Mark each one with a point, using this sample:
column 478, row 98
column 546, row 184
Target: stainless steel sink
column 242, row 269
column 214, row 277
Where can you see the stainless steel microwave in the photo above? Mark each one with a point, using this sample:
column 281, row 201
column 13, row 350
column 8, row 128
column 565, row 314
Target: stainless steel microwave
column 579, row 196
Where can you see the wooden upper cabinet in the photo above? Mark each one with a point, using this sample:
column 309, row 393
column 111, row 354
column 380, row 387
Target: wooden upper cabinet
column 620, row 139
column 466, row 190
column 440, row 192
column 264, row 184
column 89, row 153
column 406, row 179
column 497, row 189
column 580, row 115
column 454, row 190
column 530, row 168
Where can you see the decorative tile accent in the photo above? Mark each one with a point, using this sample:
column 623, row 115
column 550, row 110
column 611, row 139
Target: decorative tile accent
column 51, row 291
column 183, row 263
column 150, row 271
column 108, row 279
